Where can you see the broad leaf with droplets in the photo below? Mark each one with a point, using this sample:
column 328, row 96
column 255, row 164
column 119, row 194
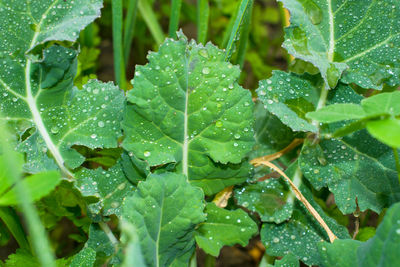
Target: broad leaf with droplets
column 355, row 167
column 36, row 89
column 187, row 107
column 224, row 228
column 165, row 210
column 357, row 40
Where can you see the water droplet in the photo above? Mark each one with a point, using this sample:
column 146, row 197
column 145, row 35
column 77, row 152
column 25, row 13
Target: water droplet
column 206, row 70
column 100, row 124
column 237, row 136
column 93, row 136
column 147, row 154
column 219, row 124
column 275, row 240
column 54, row 130
column 203, row 53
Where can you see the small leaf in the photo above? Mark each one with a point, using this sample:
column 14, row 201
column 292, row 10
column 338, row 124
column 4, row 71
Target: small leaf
column 110, row 186
column 384, row 103
column 387, row 131
column 289, row 97
column 38, row 185
column 288, row 260
column 85, row 258
column 337, row 112
column 271, row 199
column 340, row 253
column 224, row 228
column 165, row 210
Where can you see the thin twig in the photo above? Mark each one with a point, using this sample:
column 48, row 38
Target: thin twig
column 293, row 144
column 303, row 200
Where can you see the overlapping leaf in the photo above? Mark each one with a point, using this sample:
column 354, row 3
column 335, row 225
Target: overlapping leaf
column 380, row 250
column 289, row 97
column 186, row 107
column 358, row 39
column 355, row 166
column 165, row 210
column 224, row 228
column 36, row 89
column 110, row 186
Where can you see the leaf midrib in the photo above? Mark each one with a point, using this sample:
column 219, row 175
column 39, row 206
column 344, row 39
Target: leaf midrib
column 31, row 101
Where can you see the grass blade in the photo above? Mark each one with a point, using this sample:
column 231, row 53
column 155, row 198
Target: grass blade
column 119, row 65
column 174, row 18
column 11, row 220
column 150, row 18
column 129, row 27
column 244, row 36
column 203, row 13
column 234, row 36
column 35, row 227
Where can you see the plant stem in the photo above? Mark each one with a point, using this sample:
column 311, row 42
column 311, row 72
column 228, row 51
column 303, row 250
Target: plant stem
column 203, row 13
column 109, row 233
column 35, row 227
column 129, row 30
column 301, row 198
column 321, row 102
column 151, row 21
column 397, row 160
column 119, row 65
column 174, row 17
column 234, row 36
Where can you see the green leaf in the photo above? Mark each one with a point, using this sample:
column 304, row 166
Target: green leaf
column 85, row 258
column 384, row 103
column 165, row 210
column 101, row 244
column 22, row 258
column 340, row 253
column 387, row 131
column 288, row 260
column 353, row 167
column 353, row 39
column 224, row 228
column 271, row 199
column 270, row 133
column 337, row 112
column 110, row 186
column 38, row 185
column 130, row 239
column 36, row 88
column 301, row 234
column 186, row 107
column 289, row 97
column 380, row 250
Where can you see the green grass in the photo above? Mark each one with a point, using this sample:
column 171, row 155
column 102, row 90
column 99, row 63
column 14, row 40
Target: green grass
column 174, row 18
column 203, row 13
column 119, row 64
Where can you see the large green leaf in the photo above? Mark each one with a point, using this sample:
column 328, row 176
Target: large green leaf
column 353, row 167
column 289, row 97
column 36, row 88
column 358, row 39
column 224, row 228
column 165, row 210
column 380, row 250
column 187, row 107
column 387, row 131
